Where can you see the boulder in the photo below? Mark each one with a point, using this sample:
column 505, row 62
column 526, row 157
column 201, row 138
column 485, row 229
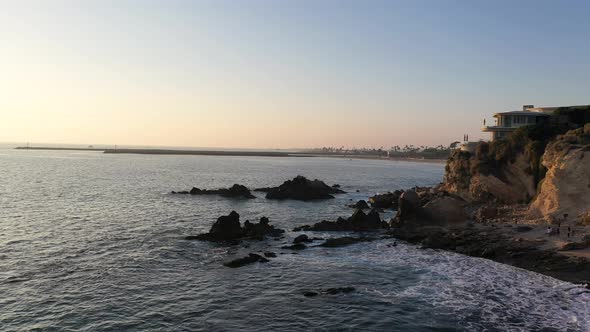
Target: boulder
column 250, row 259
column 270, row 254
column 362, row 204
column 227, row 227
column 386, row 201
column 358, row 222
column 300, row 188
column 302, row 238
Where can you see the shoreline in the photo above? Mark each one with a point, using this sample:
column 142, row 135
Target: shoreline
column 233, row 153
column 502, row 244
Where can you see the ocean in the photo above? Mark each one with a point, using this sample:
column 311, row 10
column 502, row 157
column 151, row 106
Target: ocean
column 95, row 242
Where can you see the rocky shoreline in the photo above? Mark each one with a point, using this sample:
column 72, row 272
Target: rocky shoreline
column 430, row 217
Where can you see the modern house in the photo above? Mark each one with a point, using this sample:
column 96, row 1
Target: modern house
column 506, row 122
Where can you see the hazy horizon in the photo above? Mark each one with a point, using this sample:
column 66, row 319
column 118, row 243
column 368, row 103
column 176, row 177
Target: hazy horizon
column 279, row 74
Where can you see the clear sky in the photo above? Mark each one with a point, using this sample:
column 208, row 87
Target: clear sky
column 283, row 74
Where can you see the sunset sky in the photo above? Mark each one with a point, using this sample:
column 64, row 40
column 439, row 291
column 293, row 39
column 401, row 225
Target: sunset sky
column 282, row 74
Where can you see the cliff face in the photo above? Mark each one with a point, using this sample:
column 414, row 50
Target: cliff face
column 511, row 182
column 566, row 187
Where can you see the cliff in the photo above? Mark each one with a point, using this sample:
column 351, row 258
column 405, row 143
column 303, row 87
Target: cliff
column 545, row 165
column 566, row 186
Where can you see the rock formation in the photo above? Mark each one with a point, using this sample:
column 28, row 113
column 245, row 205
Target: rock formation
column 358, row 222
column 300, row 188
column 386, row 201
column 566, row 187
column 235, row 191
column 228, row 228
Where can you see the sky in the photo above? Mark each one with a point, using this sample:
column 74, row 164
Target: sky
column 283, row 74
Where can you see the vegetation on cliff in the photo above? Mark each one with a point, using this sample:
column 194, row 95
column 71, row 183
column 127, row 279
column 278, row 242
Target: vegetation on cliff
column 496, row 166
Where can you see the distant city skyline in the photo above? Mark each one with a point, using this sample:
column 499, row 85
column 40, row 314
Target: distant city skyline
column 283, row 74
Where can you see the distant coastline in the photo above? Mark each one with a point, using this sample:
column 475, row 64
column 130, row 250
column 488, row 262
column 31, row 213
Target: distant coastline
column 232, row 153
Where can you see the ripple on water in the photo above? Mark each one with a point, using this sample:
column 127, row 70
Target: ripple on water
column 95, row 242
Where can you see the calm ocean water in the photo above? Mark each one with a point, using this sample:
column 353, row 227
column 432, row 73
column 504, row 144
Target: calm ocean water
column 94, row 242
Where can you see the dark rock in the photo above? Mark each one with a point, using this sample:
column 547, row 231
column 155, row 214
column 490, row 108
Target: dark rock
column 302, row 238
column 386, row 201
column 261, row 229
column 298, row 246
column 225, row 228
column 358, row 222
column 228, row 228
column 336, row 185
column 522, row 229
column 300, row 188
column 362, row 204
column 310, row 294
column 344, row 241
column 270, row 254
column 339, row 290
column 251, row 258
column 235, row 191
column 180, row 192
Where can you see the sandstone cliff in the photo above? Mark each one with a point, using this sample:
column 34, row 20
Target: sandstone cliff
column 566, row 186
column 467, row 176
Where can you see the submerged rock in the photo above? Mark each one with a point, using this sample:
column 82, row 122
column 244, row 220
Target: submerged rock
column 302, row 238
column 300, row 188
column 228, row 228
column 359, row 221
column 345, row 241
column 235, row 191
column 330, row 291
column 250, row 259
column 270, row 254
column 297, row 246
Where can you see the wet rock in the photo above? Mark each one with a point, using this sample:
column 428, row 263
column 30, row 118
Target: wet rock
column 310, row 294
column 300, row 188
column 336, row 185
column 302, row 238
column 228, row 228
column 224, row 229
column 362, row 205
column 386, row 201
column 235, row 191
column 184, row 192
column 358, row 222
column 250, row 259
column 344, row 241
column 339, row 290
column 261, row 229
column 270, row 254
column 298, row 246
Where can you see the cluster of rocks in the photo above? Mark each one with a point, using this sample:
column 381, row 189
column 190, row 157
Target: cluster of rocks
column 358, row 222
column 228, row 228
column 300, row 188
column 235, row 191
column 386, row 201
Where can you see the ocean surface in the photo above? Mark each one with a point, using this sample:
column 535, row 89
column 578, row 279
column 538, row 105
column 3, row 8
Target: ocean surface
column 95, row 242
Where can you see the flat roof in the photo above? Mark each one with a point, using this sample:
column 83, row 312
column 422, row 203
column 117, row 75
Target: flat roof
column 521, row 113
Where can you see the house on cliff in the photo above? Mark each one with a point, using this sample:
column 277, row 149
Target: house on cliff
column 507, row 122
